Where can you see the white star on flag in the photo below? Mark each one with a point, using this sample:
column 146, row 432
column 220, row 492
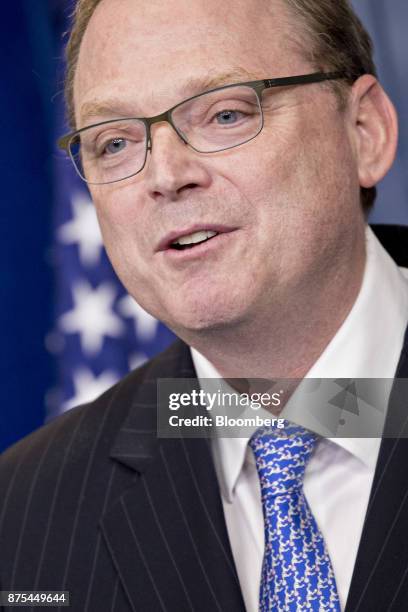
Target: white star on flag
column 88, row 386
column 83, row 230
column 145, row 324
column 92, row 316
column 136, row 360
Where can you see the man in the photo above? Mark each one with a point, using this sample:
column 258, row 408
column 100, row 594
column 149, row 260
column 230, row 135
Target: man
column 238, row 219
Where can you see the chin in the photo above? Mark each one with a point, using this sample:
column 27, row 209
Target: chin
column 204, row 318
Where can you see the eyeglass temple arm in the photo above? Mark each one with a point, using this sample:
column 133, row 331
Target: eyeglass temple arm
column 316, row 77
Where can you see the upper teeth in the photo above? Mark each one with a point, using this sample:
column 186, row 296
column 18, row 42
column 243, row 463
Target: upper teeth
column 194, row 238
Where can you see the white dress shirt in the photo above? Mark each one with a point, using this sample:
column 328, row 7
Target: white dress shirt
column 339, row 475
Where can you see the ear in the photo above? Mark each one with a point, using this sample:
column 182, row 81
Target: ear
column 374, row 128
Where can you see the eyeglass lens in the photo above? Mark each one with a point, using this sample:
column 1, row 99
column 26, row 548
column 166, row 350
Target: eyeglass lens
column 211, row 122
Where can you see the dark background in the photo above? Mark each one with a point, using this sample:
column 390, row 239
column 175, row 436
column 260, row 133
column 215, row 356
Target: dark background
column 32, row 37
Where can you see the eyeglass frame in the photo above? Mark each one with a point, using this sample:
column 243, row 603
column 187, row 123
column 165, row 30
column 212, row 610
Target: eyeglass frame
column 64, row 142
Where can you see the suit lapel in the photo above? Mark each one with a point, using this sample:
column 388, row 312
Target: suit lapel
column 380, row 577
column 166, row 532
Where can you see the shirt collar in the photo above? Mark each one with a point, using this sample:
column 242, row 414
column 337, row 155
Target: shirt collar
column 367, row 345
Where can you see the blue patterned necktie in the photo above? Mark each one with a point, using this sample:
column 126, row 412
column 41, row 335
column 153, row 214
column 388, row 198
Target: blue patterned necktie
column 296, row 573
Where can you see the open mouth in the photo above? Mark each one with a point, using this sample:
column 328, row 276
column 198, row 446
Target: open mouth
column 192, row 240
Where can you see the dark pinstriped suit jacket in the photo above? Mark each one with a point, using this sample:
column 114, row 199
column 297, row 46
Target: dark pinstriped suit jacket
column 95, row 504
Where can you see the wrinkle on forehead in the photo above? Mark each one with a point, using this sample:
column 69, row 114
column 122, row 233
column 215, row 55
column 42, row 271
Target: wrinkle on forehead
column 118, row 106
column 136, row 48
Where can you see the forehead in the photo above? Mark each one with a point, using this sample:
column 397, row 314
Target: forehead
column 153, row 53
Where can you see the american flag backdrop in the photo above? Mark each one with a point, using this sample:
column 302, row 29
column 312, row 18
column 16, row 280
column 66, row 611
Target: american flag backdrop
column 100, row 332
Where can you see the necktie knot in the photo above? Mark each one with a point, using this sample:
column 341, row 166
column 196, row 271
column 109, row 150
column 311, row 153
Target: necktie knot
column 281, row 457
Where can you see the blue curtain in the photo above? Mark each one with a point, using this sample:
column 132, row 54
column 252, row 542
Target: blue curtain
column 26, row 186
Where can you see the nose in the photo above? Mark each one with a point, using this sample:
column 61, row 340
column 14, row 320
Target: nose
column 173, row 168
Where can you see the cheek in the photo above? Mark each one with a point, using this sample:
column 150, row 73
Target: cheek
column 122, row 231
column 120, row 213
column 309, row 169
column 305, row 193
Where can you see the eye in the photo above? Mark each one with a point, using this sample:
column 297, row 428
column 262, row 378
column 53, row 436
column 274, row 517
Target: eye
column 226, row 117
column 115, row 146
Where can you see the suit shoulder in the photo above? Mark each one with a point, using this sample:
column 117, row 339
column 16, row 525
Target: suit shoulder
column 74, row 433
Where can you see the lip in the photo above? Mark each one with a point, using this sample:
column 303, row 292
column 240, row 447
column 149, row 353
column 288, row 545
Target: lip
column 175, row 257
column 167, row 241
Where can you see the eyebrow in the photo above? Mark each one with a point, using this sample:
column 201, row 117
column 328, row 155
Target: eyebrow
column 113, row 107
column 198, row 85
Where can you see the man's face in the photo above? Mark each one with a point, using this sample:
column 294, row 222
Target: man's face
column 283, row 204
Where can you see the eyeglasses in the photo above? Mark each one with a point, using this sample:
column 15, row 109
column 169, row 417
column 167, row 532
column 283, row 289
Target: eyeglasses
column 213, row 121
